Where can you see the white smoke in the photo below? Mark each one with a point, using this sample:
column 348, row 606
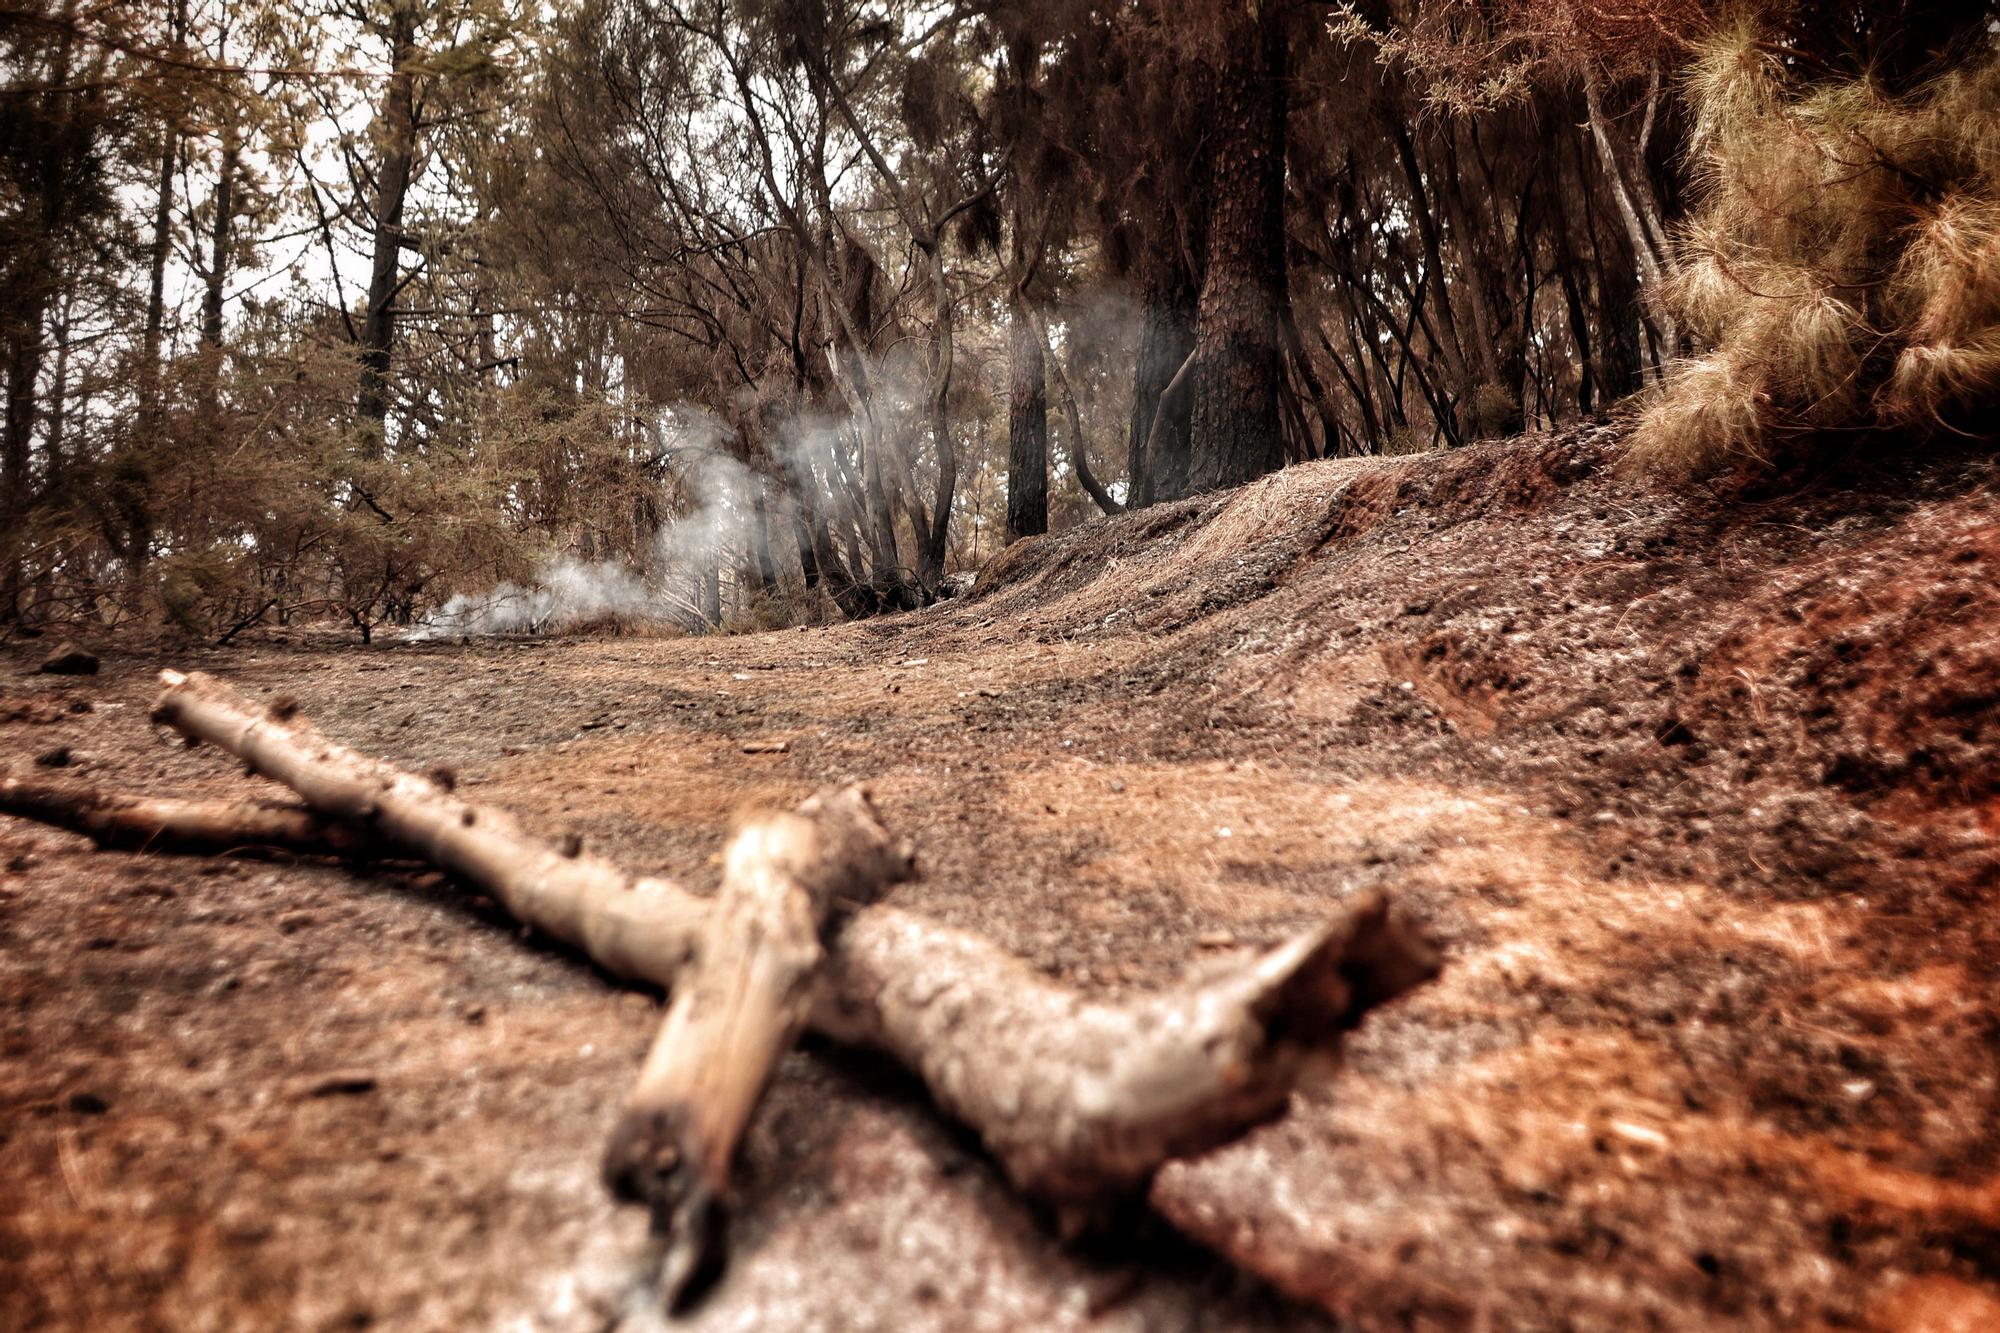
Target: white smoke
column 717, row 495
column 817, row 454
column 564, row 594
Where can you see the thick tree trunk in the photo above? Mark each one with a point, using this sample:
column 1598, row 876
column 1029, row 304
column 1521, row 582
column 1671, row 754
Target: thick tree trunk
column 1027, row 427
column 708, row 581
column 762, row 562
column 398, row 123
column 1234, row 428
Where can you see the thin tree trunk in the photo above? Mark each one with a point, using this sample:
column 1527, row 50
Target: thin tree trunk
column 1639, row 209
column 216, row 280
column 1158, row 469
column 163, row 231
column 1079, row 447
column 399, row 139
column 131, row 483
column 933, row 544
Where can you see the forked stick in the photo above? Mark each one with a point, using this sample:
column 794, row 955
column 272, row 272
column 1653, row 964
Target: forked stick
column 1075, row 1097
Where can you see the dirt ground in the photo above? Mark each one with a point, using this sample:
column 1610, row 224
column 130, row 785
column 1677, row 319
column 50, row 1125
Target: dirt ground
column 1699, row 790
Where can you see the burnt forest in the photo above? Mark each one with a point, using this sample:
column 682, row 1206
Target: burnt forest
column 1106, row 666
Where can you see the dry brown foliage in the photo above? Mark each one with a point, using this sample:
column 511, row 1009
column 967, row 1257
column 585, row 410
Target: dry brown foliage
column 1842, row 272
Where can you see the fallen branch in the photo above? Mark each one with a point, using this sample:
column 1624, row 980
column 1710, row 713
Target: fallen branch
column 644, row 929
column 1075, row 1097
column 113, row 819
column 736, row 1009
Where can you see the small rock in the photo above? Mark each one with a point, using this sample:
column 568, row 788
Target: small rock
column 70, row 660
column 57, row 758
column 1216, row 939
column 766, row 747
column 334, row 1083
column 293, row 922
column 88, row 1103
column 1118, row 784
column 22, row 862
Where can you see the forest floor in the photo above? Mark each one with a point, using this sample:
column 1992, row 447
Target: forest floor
column 1698, row 788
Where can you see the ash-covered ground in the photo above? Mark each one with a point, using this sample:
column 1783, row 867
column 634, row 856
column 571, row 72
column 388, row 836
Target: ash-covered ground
column 1698, row 788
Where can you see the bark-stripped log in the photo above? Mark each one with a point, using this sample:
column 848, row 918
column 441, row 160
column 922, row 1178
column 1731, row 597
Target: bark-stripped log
column 1080, row 1098
column 639, row 928
column 737, row 1008
column 1075, row 1097
column 114, row 819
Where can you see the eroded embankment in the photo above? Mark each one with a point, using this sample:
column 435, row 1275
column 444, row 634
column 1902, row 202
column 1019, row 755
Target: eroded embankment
column 1721, row 1040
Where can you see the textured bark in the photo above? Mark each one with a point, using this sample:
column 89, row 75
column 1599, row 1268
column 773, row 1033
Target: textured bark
column 1076, row 1098
column 1027, row 428
column 737, row 1008
column 1639, row 210
column 639, row 928
column 1234, row 428
column 399, row 152
column 114, row 819
column 216, row 279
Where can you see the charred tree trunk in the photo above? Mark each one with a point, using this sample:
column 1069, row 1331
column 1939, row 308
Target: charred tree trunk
column 26, row 301
column 24, row 368
column 131, row 482
column 1079, row 447
column 932, row 545
column 1166, row 337
column 216, row 279
column 1234, row 427
column 399, row 131
column 1027, row 427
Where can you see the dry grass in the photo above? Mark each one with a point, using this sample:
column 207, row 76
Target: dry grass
column 1842, row 272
